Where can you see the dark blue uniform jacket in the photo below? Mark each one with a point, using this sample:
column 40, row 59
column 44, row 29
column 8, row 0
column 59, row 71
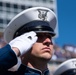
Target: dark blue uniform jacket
column 9, row 59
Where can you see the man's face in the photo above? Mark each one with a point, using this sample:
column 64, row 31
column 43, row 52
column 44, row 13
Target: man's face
column 43, row 48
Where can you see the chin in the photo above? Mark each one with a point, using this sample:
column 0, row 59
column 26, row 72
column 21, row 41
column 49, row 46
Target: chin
column 47, row 57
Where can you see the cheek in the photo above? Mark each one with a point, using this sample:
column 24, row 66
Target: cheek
column 52, row 49
column 36, row 48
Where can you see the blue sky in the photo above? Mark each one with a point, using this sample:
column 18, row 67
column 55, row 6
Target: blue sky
column 66, row 10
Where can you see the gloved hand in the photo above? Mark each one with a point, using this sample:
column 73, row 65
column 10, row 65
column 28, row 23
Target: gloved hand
column 24, row 42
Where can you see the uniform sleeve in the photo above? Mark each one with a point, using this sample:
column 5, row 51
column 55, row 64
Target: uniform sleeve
column 7, row 58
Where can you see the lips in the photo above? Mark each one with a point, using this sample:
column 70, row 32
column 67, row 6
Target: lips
column 46, row 49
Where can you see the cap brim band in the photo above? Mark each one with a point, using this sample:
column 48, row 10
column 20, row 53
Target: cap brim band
column 37, row 26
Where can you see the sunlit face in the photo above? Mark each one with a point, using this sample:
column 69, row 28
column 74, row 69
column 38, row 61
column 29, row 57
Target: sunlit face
column 43, row 48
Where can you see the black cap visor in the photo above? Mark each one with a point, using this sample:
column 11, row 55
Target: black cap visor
column 37, row 26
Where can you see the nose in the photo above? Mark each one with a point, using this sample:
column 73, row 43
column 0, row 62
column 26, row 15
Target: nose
column 47, row 41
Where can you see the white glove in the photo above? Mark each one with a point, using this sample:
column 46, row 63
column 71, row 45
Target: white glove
column 24, row 42
column 16, row 67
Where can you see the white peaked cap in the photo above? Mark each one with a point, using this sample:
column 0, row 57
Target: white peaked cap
column 66, row 68
column 30, row 19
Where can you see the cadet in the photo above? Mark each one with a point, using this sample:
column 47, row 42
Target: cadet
column 29, row 43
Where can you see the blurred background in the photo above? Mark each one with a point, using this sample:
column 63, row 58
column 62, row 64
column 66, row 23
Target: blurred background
column 65, row 10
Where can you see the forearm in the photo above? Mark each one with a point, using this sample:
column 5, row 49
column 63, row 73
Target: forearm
column 7, row 58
